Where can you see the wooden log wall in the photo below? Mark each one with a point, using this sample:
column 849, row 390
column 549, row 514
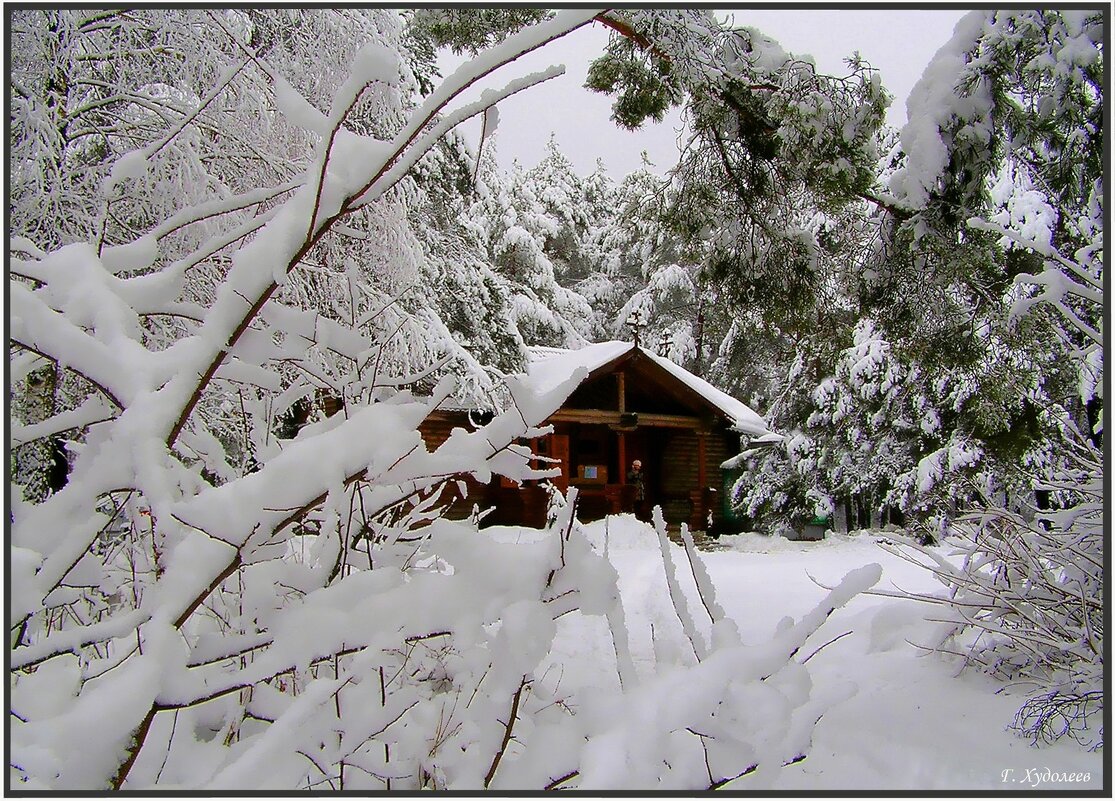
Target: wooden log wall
column 677, row 475
column 435, row 430
column 679, row 472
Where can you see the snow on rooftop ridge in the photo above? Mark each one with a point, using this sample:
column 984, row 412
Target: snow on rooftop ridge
column 743, row 417
column 550, row 366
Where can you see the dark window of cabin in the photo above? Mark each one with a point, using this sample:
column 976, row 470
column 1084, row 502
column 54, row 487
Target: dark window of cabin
column 600, row 393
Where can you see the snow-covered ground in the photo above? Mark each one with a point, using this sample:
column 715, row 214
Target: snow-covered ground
column 912, row 722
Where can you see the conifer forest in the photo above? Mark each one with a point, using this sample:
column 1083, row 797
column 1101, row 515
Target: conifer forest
column 251, row 252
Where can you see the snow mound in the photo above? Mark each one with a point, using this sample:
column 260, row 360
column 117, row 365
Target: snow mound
column 621, row 533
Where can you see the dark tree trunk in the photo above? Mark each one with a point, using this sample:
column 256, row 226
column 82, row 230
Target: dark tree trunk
column 1094, row 410
column 58, row 472
column 697, row 368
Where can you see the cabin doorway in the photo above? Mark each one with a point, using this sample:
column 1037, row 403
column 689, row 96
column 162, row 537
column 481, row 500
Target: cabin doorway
column 597, row 459
column 663, row 455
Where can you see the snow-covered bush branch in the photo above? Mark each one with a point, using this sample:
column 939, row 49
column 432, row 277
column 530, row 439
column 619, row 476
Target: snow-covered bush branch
column 134, row 570
column 232, row 587
column 1026, row 602
column 1004, row 147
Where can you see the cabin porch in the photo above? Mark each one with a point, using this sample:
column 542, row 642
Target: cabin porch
column 595, row 457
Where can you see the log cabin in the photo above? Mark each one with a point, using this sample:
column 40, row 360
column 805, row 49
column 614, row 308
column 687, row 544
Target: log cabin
column 631, row 404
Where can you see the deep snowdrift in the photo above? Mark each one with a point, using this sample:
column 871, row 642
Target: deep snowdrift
column 912, row 724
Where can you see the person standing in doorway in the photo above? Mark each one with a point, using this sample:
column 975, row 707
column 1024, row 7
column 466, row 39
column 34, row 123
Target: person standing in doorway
column 636, row 478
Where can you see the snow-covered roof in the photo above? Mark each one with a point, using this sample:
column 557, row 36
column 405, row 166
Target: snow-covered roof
column 548, row 367
column 743, row 417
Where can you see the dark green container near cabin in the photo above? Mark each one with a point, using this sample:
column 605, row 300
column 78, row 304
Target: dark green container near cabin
column 731, row 521
column 815, row 529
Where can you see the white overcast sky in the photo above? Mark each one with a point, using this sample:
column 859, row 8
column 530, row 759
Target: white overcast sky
column 898, row 42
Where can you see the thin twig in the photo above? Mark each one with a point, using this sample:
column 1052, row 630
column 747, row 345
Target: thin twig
column 506, row 733
column 562, row 780
column 830, row 642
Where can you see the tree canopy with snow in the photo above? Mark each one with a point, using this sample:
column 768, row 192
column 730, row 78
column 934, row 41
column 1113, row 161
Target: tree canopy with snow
column 249, row 255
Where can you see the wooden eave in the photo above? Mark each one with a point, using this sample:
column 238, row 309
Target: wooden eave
column 664, row 381
column 615, row 419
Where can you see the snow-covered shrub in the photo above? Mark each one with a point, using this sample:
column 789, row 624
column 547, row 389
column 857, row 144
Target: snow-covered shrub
column 406, row 656
column 205, row 605
column 725, row 711
column 157, row 583
column 776, row 486
column 1027, row 601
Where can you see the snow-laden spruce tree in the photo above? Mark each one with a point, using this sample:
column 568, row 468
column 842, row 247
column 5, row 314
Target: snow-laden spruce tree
column 642, row 267
column 1003, row 154
column 892, row 435
column 624, row 243
column 564, row 197
column 517, row 227
column 207, row 605
column 470, row 297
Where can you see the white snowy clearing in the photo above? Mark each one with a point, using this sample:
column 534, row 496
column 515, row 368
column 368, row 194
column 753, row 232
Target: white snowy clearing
column 910, row 723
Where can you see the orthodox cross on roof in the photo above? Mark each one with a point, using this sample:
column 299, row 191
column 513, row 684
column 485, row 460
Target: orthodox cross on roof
column 665, row 342
column 637, row 323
